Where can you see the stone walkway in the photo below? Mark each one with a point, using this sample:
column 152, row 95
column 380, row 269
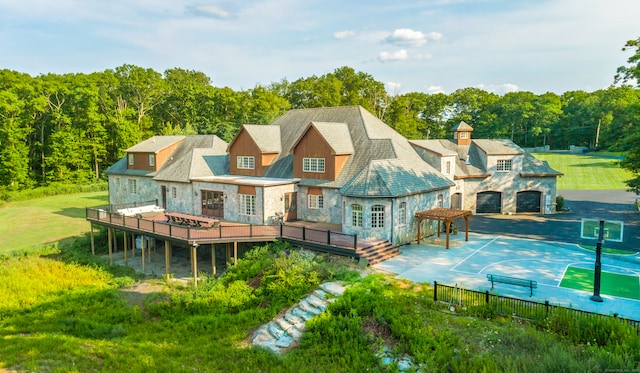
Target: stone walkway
column 283, row 331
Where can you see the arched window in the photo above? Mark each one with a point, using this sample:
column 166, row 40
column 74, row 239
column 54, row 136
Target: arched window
column 377, row 216
column 356, row 215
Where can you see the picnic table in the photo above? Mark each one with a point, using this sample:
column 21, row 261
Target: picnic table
column 191, row 220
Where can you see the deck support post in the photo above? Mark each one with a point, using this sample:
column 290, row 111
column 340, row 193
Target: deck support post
column 109, row 242
column 93, row 241
column 235, row 253
column 167, row 256
column 115, row 241
column 213, row 259
column 194, row 263
column 142, row 251
column 126, row 248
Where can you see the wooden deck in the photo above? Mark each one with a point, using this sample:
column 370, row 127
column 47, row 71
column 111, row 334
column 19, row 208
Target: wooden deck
column 224, row 232
column 315, row 236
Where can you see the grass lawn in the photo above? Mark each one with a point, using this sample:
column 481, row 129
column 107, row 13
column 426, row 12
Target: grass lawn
column 613, row 284
column 33, row 223
column 584, row 172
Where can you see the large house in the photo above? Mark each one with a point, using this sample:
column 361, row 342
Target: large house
column 337, row 165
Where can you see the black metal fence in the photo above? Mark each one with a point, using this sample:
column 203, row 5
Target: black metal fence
column 504, row 305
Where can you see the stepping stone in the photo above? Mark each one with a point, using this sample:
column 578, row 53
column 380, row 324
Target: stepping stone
column 305, row 306
column 296, row 333
column 293, row 319
column 284, row 342
column 317, row 302
column 275, row 330
column 283, row 323
column 301, row 313
column 261, row 335
column 320, row 293
column 334, row 288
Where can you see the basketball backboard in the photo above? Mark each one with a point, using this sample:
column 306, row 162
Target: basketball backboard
column 613, row 229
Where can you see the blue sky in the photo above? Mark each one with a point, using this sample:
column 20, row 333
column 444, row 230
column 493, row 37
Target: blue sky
column 411, row 46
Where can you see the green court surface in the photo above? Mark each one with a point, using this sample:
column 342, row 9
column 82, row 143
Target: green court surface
column 615, row 284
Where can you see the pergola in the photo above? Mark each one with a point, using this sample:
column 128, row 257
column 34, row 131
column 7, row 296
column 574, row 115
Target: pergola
column 448, row 216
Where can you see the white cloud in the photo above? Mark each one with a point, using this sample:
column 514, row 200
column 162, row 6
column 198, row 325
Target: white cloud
column 400, row 55
column 499, row 89
column 344, row 34
column 405, row 36
column 393, row 88
column 433, row 89
column 212, row 11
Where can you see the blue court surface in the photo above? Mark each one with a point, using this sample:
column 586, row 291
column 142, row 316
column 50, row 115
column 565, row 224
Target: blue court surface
column 467, row 263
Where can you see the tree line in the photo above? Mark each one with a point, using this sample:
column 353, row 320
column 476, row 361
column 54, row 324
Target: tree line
column 70, row 128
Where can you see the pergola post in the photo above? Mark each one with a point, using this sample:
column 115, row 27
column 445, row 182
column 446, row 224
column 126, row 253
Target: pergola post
column 447, row 226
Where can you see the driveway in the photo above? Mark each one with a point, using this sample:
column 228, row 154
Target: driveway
column 565, row 226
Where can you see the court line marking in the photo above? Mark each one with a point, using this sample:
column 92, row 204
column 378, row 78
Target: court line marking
column 473, row 253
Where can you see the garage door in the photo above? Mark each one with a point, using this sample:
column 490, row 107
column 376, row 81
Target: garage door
column 528, row 201
column 488, row 202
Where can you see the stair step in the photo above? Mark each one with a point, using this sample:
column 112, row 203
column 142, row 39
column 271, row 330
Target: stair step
column 293, row 319
column 317, row 302
column 283, row 323
column 275, row 330
column 301, row 313
column 307, row 307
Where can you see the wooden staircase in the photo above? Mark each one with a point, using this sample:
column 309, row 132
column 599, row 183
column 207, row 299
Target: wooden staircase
column 378, row 251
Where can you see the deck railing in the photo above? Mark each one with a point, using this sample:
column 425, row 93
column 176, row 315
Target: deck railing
column 226, row 232
column 513, row 306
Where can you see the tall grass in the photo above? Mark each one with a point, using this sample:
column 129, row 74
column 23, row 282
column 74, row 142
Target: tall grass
column 62, row 310
column 51, row 190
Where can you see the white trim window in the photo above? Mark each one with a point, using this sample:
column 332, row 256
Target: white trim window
column 313, row 165
column 377, row 216
column 133, row 186
column 246, row 162
column 504, row 165
column 464, row 135
column 440, row 200
column 356, row 215
column 402, row 213
column 130, row 157
column 315, row 201
column 152, row 160
column 246, row 204
column 174, row 192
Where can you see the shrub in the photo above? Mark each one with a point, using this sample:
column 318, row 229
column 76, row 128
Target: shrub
column 559, row 203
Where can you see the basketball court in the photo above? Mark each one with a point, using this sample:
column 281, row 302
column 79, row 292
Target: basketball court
column 563, row 271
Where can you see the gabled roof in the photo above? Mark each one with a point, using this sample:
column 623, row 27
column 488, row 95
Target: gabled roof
column 498, row 147
column 155, row 144
column 336, row 135
column 266, row 138
column 532, row 167
column 186, row 162
column 372, row 140
column 435, row 146
column 462, row 126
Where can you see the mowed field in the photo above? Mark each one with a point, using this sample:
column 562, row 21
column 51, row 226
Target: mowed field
column 586, row 172
column 30, row 224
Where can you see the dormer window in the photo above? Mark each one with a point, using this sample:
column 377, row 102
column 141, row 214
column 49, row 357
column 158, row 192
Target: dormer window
column 130, row 156
column 152, row 160
column 504, row 165
column 313, row 165
column 246, row 162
